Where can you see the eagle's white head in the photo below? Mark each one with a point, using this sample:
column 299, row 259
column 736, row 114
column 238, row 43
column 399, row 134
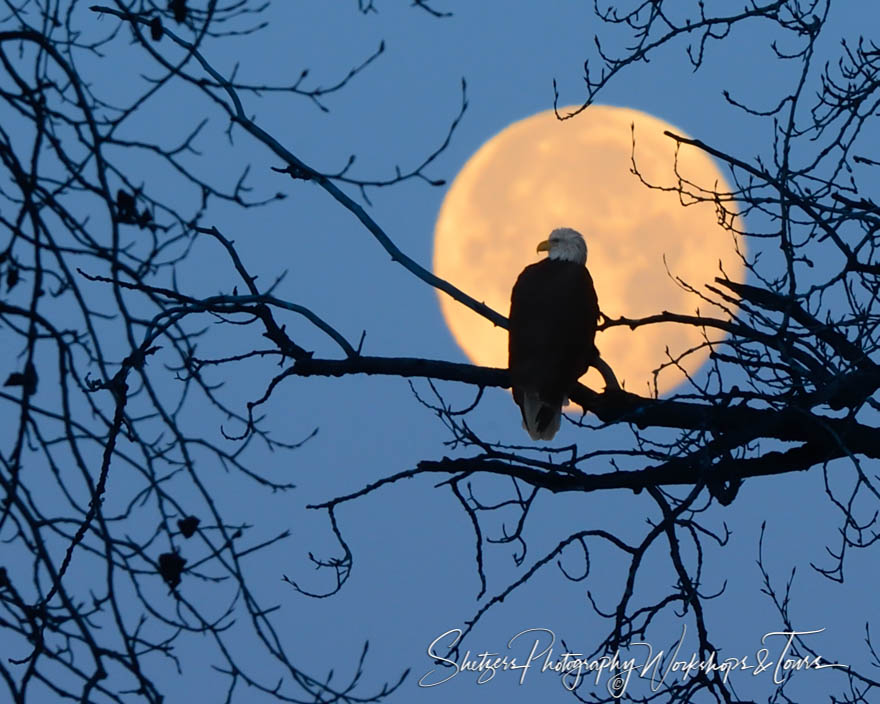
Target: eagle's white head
column 565, row 244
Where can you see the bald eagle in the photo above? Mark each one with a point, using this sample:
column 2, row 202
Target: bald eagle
column 553, row 315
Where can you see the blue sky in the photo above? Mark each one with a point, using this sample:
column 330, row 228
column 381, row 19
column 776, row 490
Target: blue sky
column 414, row 576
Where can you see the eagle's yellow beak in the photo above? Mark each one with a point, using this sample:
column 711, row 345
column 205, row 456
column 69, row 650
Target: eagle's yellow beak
column 543, row 246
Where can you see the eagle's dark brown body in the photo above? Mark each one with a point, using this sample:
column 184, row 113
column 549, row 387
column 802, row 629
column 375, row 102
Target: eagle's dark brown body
column 553, row 316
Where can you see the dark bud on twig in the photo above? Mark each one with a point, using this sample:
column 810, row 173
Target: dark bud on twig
column 297, row 172
column 144, row 219
column 188, row 526
column 156, row 28
column 12, row 276
column 125, row 207
column 26, row 379
column 171, row 567
column 178, row 7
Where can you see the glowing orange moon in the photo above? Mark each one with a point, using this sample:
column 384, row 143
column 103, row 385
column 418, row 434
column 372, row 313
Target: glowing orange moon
column 540, row 173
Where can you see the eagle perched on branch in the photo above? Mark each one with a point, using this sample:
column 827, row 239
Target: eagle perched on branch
column 553, row 316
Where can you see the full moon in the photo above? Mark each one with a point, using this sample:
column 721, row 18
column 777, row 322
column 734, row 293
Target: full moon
column 539, row 174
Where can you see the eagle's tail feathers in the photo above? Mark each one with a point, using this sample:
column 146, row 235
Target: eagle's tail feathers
column 540, row 419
